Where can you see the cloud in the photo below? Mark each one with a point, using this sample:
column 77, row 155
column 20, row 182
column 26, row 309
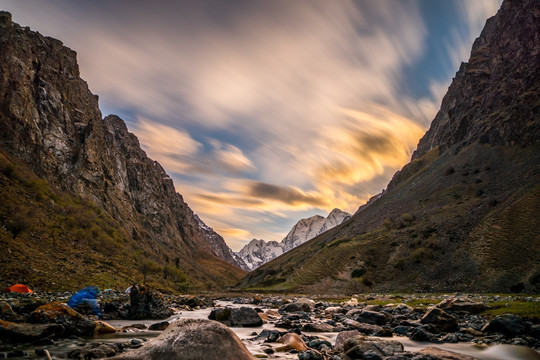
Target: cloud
column 261, row 108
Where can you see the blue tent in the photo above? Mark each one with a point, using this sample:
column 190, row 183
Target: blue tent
column 87, row 296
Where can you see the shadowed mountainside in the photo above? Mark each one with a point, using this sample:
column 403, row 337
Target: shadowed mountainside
column 52, row 135
column 463, row 214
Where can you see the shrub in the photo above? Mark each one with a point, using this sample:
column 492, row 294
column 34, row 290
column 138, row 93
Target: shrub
column 407, row 218
column 9, row 169
column 399, row 263
column 356, row 273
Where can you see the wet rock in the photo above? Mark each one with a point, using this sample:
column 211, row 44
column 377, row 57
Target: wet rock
column 7, row 313
column 269, row 335
column 160, row 326
column 364, row 328
column 507, row 324
column 462, row 304
column 444, row 354
column 310, row 355
column 241, row 317
column 11, row 332
column 104, row 328
column 356, row 347
column 420, row 334
column 372, row 317
column 192, row 339
column 95, row 351
column 439, row 320
column 59, row 313
column 300, row 306
column 450, row 338
column 291, row 341
column 147, row 304
column 343, row 336
column 317, row 327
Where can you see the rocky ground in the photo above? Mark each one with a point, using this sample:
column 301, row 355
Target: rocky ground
column 364, row 327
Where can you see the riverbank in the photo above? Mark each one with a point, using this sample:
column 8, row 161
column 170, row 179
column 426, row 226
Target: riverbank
column 326, row 328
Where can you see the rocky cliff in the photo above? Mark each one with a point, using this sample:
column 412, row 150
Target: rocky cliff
column 52, row 123
column 259, row 252
column 462, row 215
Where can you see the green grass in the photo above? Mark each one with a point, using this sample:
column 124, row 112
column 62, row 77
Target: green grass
column 528, row 310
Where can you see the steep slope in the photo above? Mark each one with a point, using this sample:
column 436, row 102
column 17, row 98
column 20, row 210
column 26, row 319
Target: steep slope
column 259, row 252
column 462, row 215
column 50, row 121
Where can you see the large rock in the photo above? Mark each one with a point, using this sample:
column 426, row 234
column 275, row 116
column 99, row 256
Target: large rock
column 193, row 339
column 462, row 304
column 299, row 306
column 147, row 304
column 291, row 341
column 440, row 354
column 59, row 313
column 373, row 317
column 11, row 332
column 238, row 317
column 357, row 347
column 439, row 320
column 507, row 324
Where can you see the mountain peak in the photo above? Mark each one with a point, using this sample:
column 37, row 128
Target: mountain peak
column 259, row 252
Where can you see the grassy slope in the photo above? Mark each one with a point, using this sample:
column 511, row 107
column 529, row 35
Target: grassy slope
column 56, row 241
column 462, row 220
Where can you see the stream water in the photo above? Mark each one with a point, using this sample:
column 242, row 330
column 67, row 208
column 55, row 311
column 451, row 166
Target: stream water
column 62, row 347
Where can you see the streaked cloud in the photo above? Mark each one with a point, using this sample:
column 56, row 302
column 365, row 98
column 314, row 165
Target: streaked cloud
column 264, row 111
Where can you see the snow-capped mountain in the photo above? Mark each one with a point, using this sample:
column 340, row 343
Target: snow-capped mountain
column 259, row 252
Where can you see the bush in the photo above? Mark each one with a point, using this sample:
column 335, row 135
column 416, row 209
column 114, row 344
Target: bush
column 356, row 273
column 9, row 169
column 399, row 263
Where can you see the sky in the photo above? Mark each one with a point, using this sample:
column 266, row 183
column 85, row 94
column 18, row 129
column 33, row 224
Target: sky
column 268, row 111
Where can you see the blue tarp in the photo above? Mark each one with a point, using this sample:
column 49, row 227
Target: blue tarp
column 87, row 296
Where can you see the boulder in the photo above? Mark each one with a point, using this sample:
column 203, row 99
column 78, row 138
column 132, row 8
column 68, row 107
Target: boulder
column 7, row 313
column 236, row 317
column 147, row 304
column 507, row 324
column 291, row 341
column 343, row 336
column 310, row 355
column 317, row 327
column 59, row 313
column 359, row 347
column 299, row 306
column 420, row 334
column 192, row 339
column 160, row 326
column 11, row 332
column 364, row 328
column 103, row 328
column 462, row 304
column 444, row 354
column 95, row 351
column 439, row 320
column 373, row 317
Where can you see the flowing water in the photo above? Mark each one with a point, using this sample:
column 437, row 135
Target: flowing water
column 62, row 347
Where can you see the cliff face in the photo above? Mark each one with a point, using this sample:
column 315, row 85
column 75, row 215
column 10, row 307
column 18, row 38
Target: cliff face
column 494, row 95
column 462, row 215
column 51, row 121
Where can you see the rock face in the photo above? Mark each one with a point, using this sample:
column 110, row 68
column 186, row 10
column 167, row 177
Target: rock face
column 259, row 252
column 50, row 120
column 193, row 339
column 462, row 215
column 481, row 104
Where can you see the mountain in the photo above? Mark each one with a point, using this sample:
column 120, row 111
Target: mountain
column 70, row 167
column 259, row 252
column 463, row 214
